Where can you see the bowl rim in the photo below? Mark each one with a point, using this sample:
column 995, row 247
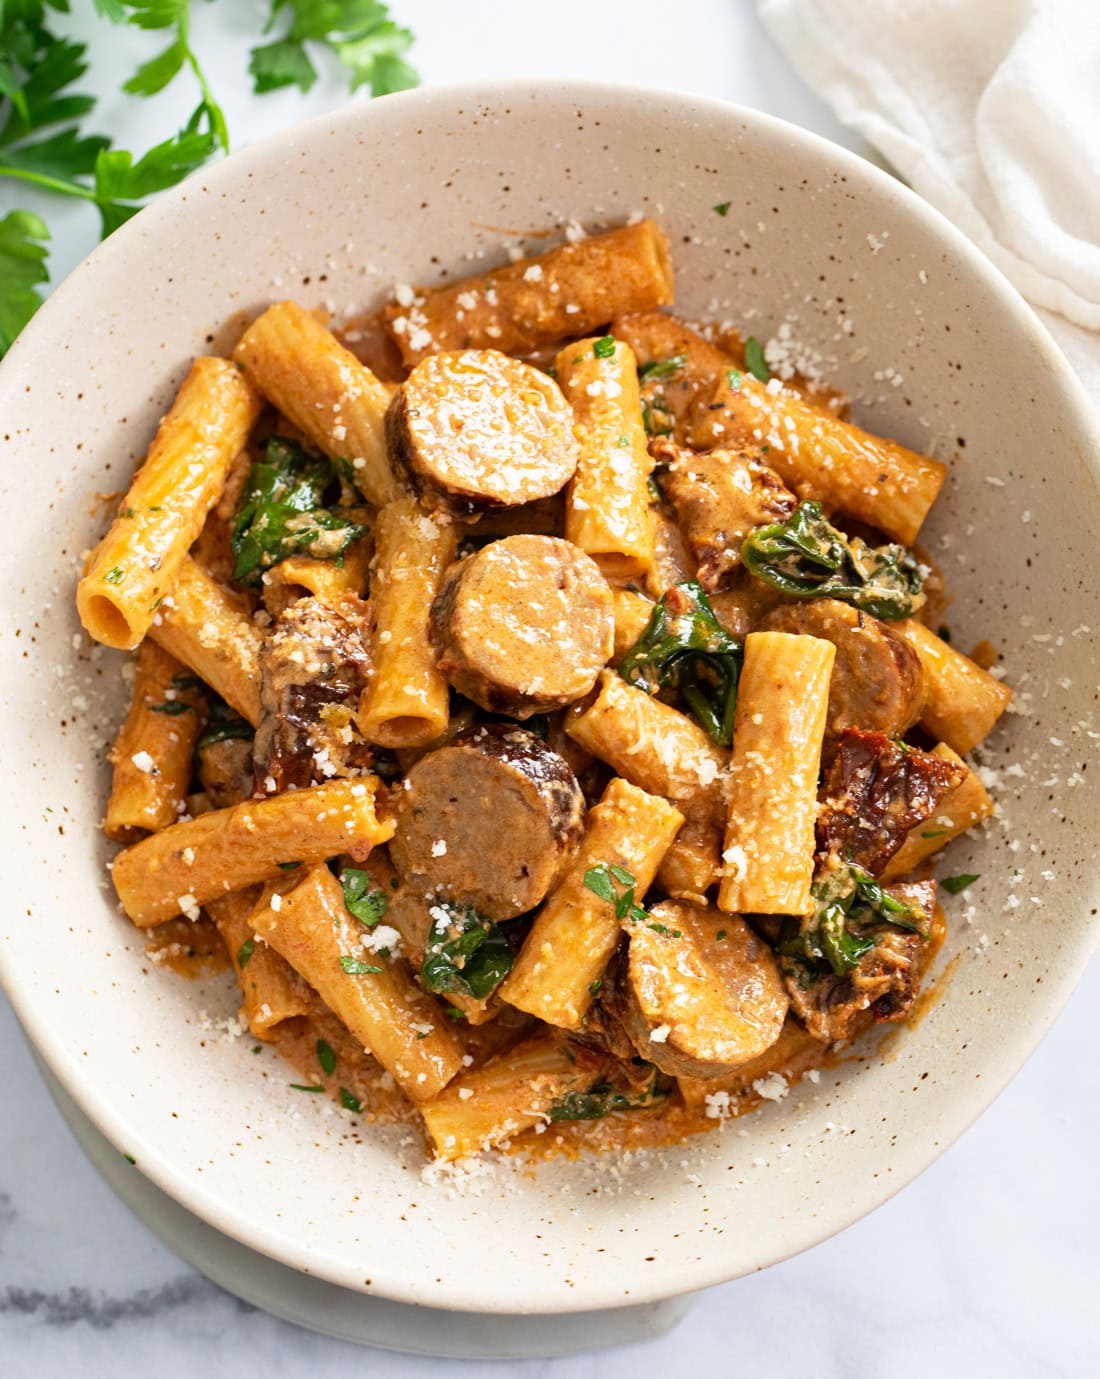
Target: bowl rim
column 807, row 1232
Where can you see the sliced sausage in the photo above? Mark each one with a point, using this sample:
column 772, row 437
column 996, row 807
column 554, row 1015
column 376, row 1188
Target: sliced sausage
column 877, row 683
column 698, row 993
column 524, row 626
column 719, row 498
column 313, row 668
column 475, row 430
column 490, row 821
column 225, row 770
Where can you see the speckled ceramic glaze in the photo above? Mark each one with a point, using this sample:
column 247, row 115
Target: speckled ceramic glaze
column 934, row 347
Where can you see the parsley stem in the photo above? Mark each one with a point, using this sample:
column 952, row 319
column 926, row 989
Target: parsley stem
column 53, row 184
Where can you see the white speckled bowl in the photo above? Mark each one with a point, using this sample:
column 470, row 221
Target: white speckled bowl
column 406, row 189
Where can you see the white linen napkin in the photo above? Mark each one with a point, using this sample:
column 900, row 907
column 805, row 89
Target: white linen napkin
column 990, row 110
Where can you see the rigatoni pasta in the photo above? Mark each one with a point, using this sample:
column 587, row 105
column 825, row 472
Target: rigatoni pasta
column 163, row 511
column 569, row 790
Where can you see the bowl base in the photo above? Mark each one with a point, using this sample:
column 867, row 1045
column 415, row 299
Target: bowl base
column 340, row 1312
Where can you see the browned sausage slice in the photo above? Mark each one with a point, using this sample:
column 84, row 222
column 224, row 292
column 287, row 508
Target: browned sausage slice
column 490, row 821
column 877, row 683
column 524, row 626
column 475, row 430
column 698, row 993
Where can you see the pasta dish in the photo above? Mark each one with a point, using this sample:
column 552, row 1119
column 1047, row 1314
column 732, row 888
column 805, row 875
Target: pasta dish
column 540, row 701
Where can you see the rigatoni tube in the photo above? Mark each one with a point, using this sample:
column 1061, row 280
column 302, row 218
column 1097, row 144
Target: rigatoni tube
column 325, row 391
column 406, row 702
column 152, row 755
column 304, row 919
column 782, row 703
column 962, row 701
column 177, row 870
column 575, row 932
column 607, row 502
column 167, row 503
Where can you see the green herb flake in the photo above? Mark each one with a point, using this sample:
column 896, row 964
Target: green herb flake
column 722, row 209
column 355, row 968
column 755, row 362
column 301, row 1087
column 225, row 725
column 245, row 951
column 453, row 1013
column 849, row 906
column 288, row 866
column 733, row 378
column 257, row 1048
column 362, row 898
column 594, row 988
column 171, row 707
column 686, row 649
column 806, row 557
column 665, row 930
column 934, row 833
column 623, row 442
column 953, row 885
column 114, row 575
column 350, row 1102
column 465, row 952
column 604, row 348
column 721, row 934
column 129, row 1158
column 662, row 368
column 326, row 1057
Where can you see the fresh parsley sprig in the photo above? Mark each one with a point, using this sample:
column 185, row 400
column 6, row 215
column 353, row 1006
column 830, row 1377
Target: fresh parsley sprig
column 43, row 144
column 360, row 33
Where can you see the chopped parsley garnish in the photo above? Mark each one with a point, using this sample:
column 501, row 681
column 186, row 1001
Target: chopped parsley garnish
column 301, row 1087
column 465, row 952
column 755, row 362
column 350, row 1102
column 245, row 951
column 287, row 866
column 806, row 557
column 623, row 442
column 602, row 1099
column 114, row 575
column 594, row 988
column 723, row 208
column 685, row 648
column 934, row 833
column 664, row 929
column 354, row 968
column 362, row 898
column 326, row 1057
column 129, row 1158
column 172, row 707
column 954, row 884
column 281, row 514
column 604, row 881
column 453, row 1013
column 733, row 378
column 721, row 934
column 604, row 348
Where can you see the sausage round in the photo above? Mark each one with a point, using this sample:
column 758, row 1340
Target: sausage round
column 698, row 993
column 524, row 626
column 877, row 682
column 490, row 821
column 476, row 430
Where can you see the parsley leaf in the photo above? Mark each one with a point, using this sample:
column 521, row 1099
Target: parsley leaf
column 354, row 968
column 954, row 884
column 359, row 33
column 362, row 898
column 22, row 266
column 350, row 1102
column 602, row 1099
column 326, row 1057
column 245, row 951
column 755, row 362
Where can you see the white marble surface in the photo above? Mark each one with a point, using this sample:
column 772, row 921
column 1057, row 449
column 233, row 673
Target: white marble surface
column 988, row 1264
